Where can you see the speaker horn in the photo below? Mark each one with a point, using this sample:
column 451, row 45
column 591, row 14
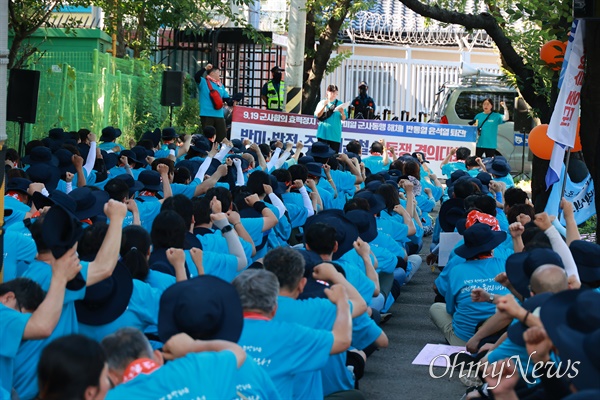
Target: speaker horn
column 470, row 71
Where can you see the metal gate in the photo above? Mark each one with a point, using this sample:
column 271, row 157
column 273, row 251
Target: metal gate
column 245, row 65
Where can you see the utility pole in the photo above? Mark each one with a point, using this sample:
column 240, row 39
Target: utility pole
column 294, row 65
column 3, row 137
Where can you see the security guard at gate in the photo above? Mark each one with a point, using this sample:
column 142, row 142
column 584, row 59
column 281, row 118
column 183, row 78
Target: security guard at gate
column 273, row 92
column 363, row 105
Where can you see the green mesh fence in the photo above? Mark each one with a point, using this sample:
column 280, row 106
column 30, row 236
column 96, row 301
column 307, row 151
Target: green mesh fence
column 93, row 90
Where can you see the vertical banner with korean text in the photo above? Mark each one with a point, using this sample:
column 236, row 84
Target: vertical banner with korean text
column 563, row 123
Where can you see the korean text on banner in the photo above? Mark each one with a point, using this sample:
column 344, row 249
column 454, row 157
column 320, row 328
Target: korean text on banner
column 563, row 123
column 580, row 194
column 434, row 140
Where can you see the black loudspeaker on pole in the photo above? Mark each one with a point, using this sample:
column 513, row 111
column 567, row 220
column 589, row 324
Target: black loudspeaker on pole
column 172, row 89
column 22, row 99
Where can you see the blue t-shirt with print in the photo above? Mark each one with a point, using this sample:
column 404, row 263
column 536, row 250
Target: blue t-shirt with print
column 364, row 331
column 489, row 129
column 354, row 268
column 141, row 312
column 502, row 252
column 25, row 366
column 207, row 109
column 508, row 349
column 12, row 329
column 254, row 228
column 384, row 240
column 106, row 146
column 326, row 192
column 393, row 224
column 207, row 375
column 296, row 210
column 449, row 168
column 253, row 382
column 221, row 264
column 188, row 190
column 149, row 208
column 344, row 183
column 285, row 349
column 311, row 313
column 215, row 242
column 282, row 231
column 507, row 180
column 19, row 249
column 387, row 261
column 10, row 203
column 331, row 128
column 375, row 164
column 159, row 280
column 462, row 280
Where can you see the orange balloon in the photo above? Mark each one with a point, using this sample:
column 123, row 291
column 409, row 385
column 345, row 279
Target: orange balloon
column 539, row 142
column 553, row 53
column 577, row 146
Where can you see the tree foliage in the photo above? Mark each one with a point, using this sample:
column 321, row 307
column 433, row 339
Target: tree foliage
column 324, row 22
column 518, row 29
column 27, row 16
column 136, row 21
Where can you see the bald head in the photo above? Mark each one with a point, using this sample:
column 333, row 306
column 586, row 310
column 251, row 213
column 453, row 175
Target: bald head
column 548, row 278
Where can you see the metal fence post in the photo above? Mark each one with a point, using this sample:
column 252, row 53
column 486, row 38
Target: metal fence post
column 63, row 93
column 118, row 91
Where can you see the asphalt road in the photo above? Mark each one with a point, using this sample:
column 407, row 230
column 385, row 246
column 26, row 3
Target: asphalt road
column 389, row 373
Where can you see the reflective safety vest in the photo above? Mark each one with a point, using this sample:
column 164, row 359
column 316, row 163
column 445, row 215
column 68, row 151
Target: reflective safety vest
column 274, row 99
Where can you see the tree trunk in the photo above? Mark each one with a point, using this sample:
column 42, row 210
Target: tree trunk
column 310, row 94
column 315, row 70
column 14, row 49
column 121, row 42
column 140, row 34
column 590, row 106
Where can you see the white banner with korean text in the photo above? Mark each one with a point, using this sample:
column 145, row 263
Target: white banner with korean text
column 435, row 140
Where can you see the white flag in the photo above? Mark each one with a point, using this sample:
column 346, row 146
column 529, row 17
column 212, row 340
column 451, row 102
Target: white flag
column 563, row 124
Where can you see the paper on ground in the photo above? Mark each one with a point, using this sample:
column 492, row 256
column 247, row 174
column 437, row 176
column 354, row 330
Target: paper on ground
column 431, row 351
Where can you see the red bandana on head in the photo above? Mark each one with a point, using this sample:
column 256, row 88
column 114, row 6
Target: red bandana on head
column 476, row 216
column 147, row 193
column 17, row 195
column 141, row 366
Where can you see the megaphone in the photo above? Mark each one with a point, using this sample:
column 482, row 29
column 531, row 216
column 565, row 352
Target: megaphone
column 470, row 71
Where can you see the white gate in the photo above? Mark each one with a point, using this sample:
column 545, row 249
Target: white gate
column 399, row 85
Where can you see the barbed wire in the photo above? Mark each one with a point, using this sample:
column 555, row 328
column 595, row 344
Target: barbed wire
column 413, row 29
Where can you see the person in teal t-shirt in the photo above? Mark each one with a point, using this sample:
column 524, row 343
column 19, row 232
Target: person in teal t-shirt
column 487, row 128
column 201, row 368
column 25, row 316
column 330, row 114
column 285, row 349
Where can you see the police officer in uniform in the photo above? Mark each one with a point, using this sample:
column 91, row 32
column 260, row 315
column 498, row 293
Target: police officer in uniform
column 363, row 104
column 273, row 92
